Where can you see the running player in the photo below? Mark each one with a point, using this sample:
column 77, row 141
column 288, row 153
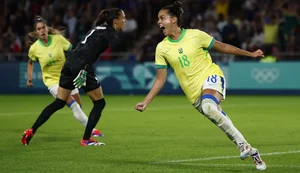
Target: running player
column 78, row 67
column 186, row 51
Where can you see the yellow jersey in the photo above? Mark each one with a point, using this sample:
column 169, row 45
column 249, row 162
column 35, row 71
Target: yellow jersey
column 51, row 57
column 190, row 59
column 270, row 33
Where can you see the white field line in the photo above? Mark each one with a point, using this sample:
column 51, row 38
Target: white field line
column 224, row 157
column 157, row 108
column 236, row 165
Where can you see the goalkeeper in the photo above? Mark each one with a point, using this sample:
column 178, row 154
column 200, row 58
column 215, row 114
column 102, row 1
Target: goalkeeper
column 78, row 72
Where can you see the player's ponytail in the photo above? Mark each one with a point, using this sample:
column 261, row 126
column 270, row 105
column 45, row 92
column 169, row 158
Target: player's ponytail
column 175, row 10
column 106, row 17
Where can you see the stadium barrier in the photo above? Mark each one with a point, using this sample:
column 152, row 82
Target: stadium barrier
column 137, row 78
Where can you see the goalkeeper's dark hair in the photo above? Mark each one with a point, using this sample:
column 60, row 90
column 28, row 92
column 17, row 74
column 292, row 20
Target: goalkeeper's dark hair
column 32, row 36
column 175, row 10
column 107, row 16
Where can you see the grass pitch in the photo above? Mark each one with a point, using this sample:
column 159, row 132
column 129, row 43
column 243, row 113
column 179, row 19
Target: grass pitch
column 171, row 136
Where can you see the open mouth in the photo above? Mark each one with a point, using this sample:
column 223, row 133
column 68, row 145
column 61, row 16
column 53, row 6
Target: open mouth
column 163, row 28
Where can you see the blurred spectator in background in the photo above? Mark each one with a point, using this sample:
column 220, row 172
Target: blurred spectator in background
column 221, row 22
column 215, row 33
column 130, row 30
column 230, row 33
column 71, row 21
column 82, row 27
column 291, row 18
column 47, row 10
column 148, row 50
column 296, row 39
column 256, row 40
column 222, row 7
column 271, row 26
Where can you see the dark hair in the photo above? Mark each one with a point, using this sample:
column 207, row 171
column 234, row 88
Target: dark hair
column 175, row 10
column 32, row 36
column 38, row 19
column 106, row 17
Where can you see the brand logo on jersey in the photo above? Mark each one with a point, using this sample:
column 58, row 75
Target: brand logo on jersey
column 180, row 50
column 50, row 55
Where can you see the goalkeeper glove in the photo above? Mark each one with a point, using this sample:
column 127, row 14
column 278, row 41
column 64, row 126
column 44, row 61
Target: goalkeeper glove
column 80, row 80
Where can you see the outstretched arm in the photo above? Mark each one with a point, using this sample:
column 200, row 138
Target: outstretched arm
column 159, row 82
column 229, row 49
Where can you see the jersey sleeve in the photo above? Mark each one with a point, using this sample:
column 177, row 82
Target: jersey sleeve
column 31, row 53
column 206, row 40
column 65, row 43
column 160, row 61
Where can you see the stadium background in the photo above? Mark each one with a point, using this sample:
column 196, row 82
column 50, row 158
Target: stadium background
column 271, row 25
column 170, row 136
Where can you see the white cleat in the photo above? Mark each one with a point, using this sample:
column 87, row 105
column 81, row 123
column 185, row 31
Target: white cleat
column 259, row 163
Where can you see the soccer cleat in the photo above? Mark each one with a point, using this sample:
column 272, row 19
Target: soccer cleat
column 91, row 142
column 259, row 163
column 28, row 134
column 97, row 133
column 245, row 150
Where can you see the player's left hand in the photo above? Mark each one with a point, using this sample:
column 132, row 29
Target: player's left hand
column 257, row 53
column 141, row 106
column 80, row 80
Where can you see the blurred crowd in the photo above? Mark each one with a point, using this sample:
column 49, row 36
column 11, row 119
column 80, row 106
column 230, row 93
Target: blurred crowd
column 76, row 17
column 271, row 25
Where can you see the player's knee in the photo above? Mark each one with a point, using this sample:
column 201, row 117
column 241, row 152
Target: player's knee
column 99, row 104
column 209, row 106
column 210, row 110
column 58, row 103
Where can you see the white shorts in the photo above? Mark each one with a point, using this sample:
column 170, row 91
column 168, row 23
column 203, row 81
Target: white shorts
column 216, row 83
column 54, row 88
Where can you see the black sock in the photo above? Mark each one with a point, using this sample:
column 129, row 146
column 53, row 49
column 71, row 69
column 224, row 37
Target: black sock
column 47, row 112
column 94, row 118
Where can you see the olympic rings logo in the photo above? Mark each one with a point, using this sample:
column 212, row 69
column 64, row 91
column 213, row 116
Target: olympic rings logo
column 265, row 75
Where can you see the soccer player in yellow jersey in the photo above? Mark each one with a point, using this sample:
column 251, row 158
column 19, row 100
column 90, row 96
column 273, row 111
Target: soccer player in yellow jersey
column 186, row 51
column 49, row 50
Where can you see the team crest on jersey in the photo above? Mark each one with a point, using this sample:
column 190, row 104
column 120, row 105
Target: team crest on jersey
column 50, row 55
column 180, row 50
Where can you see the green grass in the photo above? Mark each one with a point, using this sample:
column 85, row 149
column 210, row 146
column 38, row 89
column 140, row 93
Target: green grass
column 170, row 130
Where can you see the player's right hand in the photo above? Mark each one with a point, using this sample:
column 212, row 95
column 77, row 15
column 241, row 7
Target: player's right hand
column 257, row 53
column 141, row 106
column 80, row 79
column 29, row 83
